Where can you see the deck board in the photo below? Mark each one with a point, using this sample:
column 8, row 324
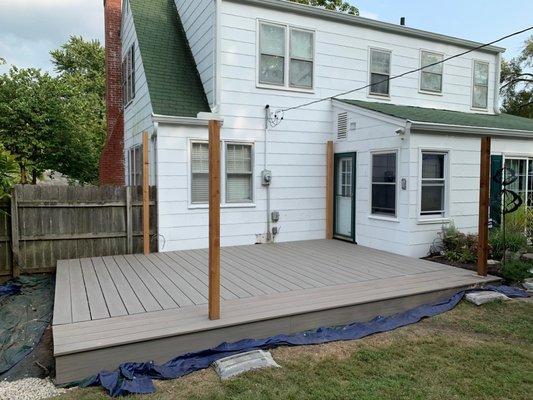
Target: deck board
column 138, row 308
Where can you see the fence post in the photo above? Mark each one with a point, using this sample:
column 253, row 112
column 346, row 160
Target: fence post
column 146, row 196
column 129, row 221
column 15, row 246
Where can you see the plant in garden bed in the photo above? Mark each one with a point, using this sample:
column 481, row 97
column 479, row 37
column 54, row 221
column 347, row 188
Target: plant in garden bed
column 458, row 246
column 517, row 271
column 510, row 241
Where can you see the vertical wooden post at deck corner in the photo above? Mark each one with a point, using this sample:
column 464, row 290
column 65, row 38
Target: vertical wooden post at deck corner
column 329, row 190
column 129, row 221
column 146, row 195
column 483, row 223
column 214, row 220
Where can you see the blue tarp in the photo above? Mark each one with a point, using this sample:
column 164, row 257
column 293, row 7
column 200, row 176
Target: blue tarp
column 9, row 289
column 136, row 378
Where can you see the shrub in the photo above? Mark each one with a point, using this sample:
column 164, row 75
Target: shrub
column 458, row 246
column 512, row 241
column 516, row 271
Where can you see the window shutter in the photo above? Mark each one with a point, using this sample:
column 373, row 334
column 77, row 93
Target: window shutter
column 342, row 125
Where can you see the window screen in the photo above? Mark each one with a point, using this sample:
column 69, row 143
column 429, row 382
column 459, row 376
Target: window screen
column 481, row 85
column 431, row 75
column 433, row 184
column 200, row 173
column 384, row 184
column 272, row 59
column 238, row 173
column 128, row 76
column 379, row 71
column 301, row 56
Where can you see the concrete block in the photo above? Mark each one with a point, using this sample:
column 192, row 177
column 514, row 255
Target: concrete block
column 234, row 365
column 479, row 298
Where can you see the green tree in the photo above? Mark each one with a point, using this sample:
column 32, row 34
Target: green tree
column 8, row 173
column 333, row 5
column 517, row 82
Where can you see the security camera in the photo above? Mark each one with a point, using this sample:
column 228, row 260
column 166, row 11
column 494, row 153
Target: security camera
column 400, row 131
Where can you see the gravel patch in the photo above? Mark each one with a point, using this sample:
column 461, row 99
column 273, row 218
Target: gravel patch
column 29, row 389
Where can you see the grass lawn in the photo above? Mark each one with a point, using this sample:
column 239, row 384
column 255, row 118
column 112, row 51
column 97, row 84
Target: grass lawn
column 468, row 353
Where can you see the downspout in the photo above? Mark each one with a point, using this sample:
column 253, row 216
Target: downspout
column 265, row 165
column 497, row 74
column 217, row 56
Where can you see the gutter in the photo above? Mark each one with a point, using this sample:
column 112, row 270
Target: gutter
column 469, row 130
column 173, row 120
column 354, row 20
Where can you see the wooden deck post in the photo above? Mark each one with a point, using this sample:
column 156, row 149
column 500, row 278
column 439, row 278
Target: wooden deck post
column 146, row 196
column 329, row 190
column 483, row 224
column 214, row 219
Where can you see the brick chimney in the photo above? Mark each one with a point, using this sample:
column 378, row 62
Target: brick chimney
column 112, row 158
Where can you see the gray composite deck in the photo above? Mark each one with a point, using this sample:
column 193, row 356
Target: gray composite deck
column 138, row 308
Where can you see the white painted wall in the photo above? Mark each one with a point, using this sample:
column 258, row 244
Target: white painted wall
column 138, row 114
column 296, row 148
column 198, row 19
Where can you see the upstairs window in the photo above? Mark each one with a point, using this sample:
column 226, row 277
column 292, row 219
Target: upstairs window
column 238, row 173
column 480, row 91
column 286, row 56
column 128, row 76
column 431, row 75
column 380, row 61
column 384, row 184
column 433, row 184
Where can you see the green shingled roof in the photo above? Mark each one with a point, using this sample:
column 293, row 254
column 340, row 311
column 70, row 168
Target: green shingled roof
column 173, row 80
column 432, row 115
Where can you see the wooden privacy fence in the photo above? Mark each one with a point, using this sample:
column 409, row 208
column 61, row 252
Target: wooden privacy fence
column 43, row 224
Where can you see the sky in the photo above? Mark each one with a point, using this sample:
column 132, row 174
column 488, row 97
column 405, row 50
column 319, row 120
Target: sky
column 30, row 29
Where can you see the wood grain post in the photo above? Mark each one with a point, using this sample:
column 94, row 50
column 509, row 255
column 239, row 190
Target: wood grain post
column 146, row 195
column 214, row 220
column 15, row 234
column 329, row 190
column 483, row 224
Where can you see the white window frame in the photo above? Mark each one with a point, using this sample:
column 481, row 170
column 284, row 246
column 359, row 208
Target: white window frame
column 385, row 217
column 252, row 161
column 128, row 76
column 374, row 94
column 522, row 157
column 132, row 173
column 444, row 216
column 287, row 58
column 223, row 202
column 472, row 106
column 425, row 91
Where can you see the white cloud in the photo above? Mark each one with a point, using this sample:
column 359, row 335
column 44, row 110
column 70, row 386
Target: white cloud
column 29, row 29
column 368, row 14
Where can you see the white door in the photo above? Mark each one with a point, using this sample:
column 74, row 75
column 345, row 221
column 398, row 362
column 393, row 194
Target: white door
column 344, row 197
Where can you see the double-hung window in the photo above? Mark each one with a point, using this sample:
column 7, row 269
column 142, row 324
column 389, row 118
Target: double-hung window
column 286, row 56
column 480, row 90
column 433, row 184
column 238, row 173
column 135, row 167
column 431, row 73
column 522, row 168
column 128, row 76
column 200, row 173
column 380, row 66
column 383, row 198
column 237, row 160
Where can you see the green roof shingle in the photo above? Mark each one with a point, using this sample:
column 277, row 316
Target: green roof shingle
column 173, row 81
column 432, row 115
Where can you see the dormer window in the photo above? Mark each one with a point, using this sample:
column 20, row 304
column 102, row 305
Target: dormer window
column 286, row 56
column 480, row 90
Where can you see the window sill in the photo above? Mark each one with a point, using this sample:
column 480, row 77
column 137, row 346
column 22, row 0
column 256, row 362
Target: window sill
column 284, row 88
column 383, row 218
column 421, row 91
column 430, row 221
column 486, row 110
column 379, row 96
column 226, row 205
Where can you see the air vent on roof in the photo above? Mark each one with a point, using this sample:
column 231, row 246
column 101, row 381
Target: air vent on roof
column 342, row 125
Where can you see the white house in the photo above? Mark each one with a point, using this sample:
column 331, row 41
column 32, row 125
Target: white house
column 407, row 151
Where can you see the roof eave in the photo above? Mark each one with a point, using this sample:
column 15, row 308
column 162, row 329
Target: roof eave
column 469, row 130
column 367, row 23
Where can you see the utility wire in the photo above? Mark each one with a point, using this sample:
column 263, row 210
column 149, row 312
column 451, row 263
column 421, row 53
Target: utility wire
column 408, row 72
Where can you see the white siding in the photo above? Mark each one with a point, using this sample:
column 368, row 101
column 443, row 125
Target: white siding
column 198, row 19
column 138, row 114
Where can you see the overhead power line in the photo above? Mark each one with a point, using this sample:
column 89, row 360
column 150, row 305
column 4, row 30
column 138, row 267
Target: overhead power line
column 406, row 73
